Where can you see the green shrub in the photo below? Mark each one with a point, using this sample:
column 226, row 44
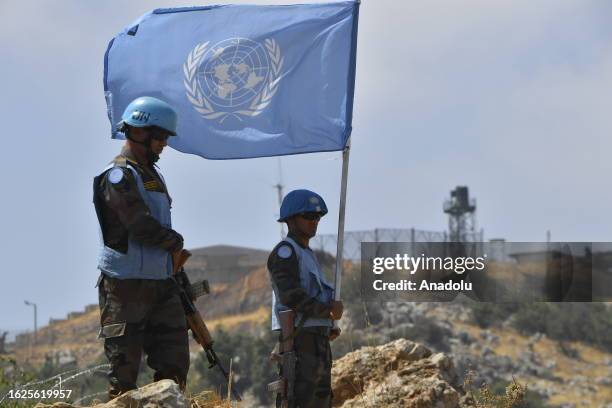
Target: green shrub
column 587, row 322
column 491, row 314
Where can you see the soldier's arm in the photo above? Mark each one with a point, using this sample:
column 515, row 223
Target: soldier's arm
column 284, row 271
column 120, row 193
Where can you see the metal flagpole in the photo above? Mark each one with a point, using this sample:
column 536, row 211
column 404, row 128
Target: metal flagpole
column 340, row 248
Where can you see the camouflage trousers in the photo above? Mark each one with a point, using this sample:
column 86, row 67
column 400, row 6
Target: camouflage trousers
column 312, row 370
column 140, row 315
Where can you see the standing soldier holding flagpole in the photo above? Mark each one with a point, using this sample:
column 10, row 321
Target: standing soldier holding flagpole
column 303, row 307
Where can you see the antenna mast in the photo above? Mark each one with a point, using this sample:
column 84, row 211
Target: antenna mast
column 279, row 189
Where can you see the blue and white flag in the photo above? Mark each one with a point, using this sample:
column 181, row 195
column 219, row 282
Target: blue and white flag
column 246, row 81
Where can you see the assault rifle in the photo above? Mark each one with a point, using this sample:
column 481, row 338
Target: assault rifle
column 286, row 358
column 189, row 293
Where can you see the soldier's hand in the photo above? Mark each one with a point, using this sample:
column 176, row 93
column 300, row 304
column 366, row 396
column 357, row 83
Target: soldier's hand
column 179, row 258
column 335, row 332
column 337, row 308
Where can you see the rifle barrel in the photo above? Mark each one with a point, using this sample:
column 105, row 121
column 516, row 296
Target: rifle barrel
column 224, row 372
column 200, row 331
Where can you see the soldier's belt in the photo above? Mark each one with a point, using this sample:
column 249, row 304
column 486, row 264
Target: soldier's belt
column 318, row 330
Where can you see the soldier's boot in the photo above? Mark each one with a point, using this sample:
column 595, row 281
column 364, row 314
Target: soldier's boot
column 124, row 354
column 178, row 378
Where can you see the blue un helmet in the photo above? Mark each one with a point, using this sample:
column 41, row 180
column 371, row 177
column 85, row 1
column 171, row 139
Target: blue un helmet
column 301, row 201
column 148, row 111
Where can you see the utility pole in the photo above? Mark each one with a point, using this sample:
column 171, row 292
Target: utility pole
column 279, row 189
column 3, row 342
column 35, row 317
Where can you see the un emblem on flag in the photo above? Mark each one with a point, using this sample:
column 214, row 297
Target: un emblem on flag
column 236, row 77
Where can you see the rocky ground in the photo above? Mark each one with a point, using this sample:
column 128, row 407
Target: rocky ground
column 398, row 374
column 161, row 394
column 565, row 374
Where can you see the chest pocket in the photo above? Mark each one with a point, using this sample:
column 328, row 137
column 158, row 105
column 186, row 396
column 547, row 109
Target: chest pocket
column 156, row 261
column 155, row 195
column 311, row 277
column 159, row 205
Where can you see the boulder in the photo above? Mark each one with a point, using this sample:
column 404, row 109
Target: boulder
column 398, row 374
column 160, row 394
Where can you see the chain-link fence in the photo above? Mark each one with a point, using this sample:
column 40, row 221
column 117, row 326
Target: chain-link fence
column 413, row 237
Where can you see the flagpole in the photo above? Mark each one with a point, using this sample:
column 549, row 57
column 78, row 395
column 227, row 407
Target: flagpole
column 340, row 248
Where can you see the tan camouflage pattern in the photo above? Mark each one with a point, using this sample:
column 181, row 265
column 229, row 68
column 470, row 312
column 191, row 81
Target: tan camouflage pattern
column 142, row 316
column 312, row 371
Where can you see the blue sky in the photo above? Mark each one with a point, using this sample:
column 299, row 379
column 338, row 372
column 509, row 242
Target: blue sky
column 509, row 98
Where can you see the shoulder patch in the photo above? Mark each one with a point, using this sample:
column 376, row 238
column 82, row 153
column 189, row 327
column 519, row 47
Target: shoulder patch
column 115, row 175
column 284, row 252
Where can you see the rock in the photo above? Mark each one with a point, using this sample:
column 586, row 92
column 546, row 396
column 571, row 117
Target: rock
column 160, row 394
column 65, row 357
column 537, row 337
column 400, row 373
column 484, row 334
column 604, row 381
column 454, row 343
column 551, row 364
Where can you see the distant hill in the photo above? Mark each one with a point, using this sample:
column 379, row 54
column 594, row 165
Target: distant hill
column 224, row 263
column 240, row 299
column 560, row 372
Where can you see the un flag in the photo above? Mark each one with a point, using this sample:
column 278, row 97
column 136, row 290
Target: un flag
column 247, row 81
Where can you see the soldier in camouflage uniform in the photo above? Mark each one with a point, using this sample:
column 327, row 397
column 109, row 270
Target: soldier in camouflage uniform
column 139, row 302
column 299, row 284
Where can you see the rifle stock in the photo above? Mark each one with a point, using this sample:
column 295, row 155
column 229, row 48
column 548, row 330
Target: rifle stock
column 199, row 330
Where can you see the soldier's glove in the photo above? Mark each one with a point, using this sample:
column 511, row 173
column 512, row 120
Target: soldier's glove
column 337, row 308
column 335, row 332
column 178, row 259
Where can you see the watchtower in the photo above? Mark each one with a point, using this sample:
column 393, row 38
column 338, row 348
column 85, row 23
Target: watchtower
column 461, row 212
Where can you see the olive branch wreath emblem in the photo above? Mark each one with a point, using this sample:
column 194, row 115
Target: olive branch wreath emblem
column 261, row 101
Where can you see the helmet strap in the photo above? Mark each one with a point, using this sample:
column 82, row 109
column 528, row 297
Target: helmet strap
column 151, row 156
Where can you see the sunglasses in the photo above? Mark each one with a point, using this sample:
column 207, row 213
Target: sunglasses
column 159, row 135
column 311, row 216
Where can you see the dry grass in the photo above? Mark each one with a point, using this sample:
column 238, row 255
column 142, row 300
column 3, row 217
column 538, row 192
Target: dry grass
column 257, row 317
column 209, row 399
column 514, row 396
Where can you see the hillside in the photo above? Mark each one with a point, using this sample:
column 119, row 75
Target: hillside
column 568, row 374
column 563, row 373
column 240, row 299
